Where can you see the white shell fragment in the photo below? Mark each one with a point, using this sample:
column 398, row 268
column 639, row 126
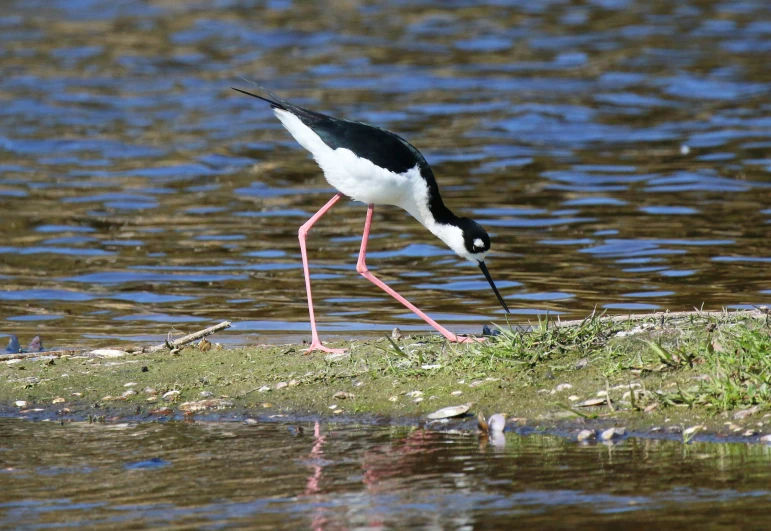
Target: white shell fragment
column 170, row 396
column 497, row 423
column 744, row 413
column 203, row 405
column 592, row 402
column 449, row 412
column 108, row 353
column 586, row 435
column 612, row 433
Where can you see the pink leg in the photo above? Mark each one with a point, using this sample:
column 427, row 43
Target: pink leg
column 361, row 267
column 303, row 233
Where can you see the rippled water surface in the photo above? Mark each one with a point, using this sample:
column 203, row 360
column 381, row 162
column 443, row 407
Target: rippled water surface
column 278, row 476
column 619, row 152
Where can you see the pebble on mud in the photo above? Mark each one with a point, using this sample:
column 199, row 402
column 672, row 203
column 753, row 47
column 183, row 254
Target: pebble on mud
column 251, row 422
column 393, row 398
column 456, row 393
column 152, row 399
column 612, row 433
column 586, row 435
column 206, row 394
column 281, row 385
column 293, row 383
column 563, row 387
column 129, row 393
column 766, row 439
column 161, row 411
column 150, row 391
column 21, row 403
column 76, row 394
column 58, row 400
column 263, row 389
column 343, row 395
column 414, row 394
column 130, row 384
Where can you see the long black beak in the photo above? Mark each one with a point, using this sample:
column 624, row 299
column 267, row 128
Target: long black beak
column 483, row 267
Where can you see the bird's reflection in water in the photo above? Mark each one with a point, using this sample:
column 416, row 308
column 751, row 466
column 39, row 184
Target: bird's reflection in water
column 384, row 467
column 313, row 484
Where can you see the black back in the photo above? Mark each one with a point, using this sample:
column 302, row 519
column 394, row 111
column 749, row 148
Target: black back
column 383, row 148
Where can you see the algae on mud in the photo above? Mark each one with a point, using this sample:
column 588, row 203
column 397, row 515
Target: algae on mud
column 667, row 371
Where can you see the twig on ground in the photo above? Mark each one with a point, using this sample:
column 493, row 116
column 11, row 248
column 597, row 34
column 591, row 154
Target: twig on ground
column 130, row 350
column 46, row 353
column 190, row 337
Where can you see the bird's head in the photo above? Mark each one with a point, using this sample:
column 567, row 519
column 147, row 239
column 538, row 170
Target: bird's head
column 476, row 242
column 469, row 240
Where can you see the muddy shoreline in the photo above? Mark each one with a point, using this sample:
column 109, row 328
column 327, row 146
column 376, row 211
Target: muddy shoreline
column 660, row 375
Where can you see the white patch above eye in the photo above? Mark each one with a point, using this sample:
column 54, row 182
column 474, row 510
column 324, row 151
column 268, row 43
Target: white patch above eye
column 479, row 243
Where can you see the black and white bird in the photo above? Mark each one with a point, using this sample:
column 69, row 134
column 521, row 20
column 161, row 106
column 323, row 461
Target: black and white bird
column 375, row 166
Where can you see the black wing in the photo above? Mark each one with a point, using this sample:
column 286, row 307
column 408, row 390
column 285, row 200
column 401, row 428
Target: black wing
column 383, row 148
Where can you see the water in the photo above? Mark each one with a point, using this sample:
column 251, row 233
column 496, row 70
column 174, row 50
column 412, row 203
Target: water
column 279, row 476
column 617, row 151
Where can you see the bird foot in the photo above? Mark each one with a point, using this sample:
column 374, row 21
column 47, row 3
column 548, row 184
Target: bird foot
column 468, row 339
column 316, row 345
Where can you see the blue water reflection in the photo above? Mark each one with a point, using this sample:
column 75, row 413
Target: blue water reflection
column 618, row 157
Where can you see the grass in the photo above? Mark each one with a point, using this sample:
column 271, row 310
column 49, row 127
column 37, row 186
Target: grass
column 686, row 369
